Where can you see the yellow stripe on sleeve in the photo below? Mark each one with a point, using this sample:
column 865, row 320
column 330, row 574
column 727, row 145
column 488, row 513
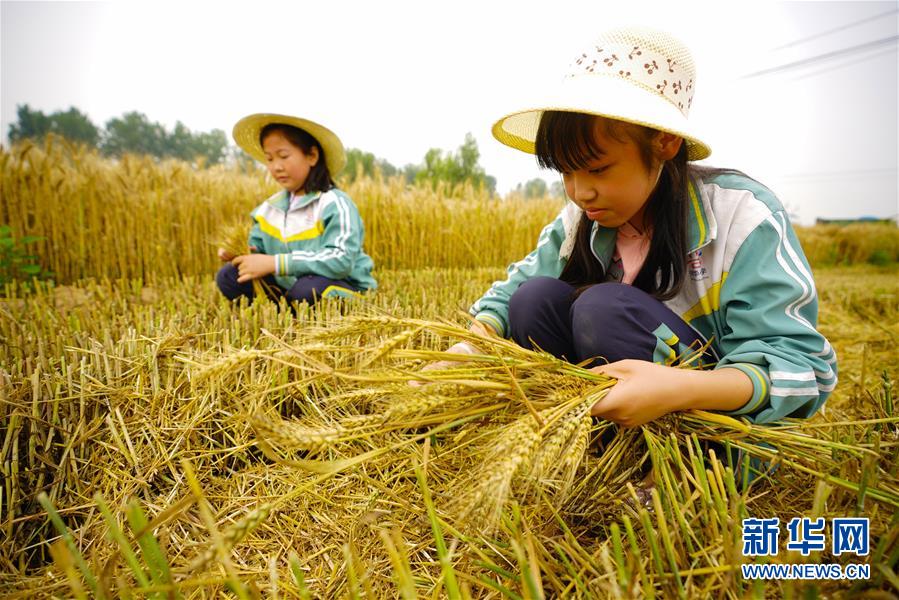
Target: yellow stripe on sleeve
column 708, row 303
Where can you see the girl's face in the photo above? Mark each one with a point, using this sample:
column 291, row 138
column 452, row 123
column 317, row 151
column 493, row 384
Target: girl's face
column 614, row 187
column 288, row 164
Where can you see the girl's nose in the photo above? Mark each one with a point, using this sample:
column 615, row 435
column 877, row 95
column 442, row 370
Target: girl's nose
column 582, row 188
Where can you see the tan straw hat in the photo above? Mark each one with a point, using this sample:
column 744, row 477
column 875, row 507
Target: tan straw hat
column 642, row 76
column 246, row 134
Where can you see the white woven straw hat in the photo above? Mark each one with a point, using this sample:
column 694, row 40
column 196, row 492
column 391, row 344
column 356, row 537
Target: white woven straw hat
column 633, row 74
column 246, row 134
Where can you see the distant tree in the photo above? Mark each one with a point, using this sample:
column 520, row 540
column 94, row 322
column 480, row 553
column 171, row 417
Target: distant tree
column 71, row 124
column 535, row 188
column 467, row 158
column 236, row 157
column 181, row 143
column 410, row 172
column 367, row 164
column 557, row 190
column 31, row 124
column 358, row 163
column 76, row 126
column 455, row 168
column 213, row 145
column 134, row 133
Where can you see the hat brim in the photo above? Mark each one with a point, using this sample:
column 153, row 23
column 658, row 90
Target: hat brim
column 246, row 135
column 602, row 96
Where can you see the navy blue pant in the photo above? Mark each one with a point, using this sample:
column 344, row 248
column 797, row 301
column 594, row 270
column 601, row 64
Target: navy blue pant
column 309, row 288
column 607, row 322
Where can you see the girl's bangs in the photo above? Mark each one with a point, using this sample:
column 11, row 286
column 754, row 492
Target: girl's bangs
column 565, row 141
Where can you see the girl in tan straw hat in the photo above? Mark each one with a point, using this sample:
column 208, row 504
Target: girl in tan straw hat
column 655, row 262
column 306, row 240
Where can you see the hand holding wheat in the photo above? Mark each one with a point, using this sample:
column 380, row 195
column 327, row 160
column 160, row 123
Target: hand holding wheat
column 224, row 255
column 463, row 347
column 644, row 391
column 253, row 266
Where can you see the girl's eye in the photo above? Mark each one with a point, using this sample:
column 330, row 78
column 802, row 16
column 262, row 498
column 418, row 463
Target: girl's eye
column 598, row 170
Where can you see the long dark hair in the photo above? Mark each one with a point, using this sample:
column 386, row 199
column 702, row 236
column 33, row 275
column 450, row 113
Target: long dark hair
column 565, row 142
column 319, row 179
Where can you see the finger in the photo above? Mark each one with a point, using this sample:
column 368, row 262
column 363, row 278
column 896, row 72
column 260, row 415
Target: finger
column 615, row 369
column 436, row 366
column 606, row 406
column 463, row 348
column 482, row 329
column 600, row 370
column 254, row 249
column 428, row 367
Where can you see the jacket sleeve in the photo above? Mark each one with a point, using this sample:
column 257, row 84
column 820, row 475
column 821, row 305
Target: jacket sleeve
column 342, row 234
column 545, row 260
column 770, row 309
column 255, row 238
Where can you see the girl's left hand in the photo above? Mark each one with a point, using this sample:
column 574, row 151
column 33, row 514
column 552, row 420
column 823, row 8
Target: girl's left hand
column 645, row 391
column 253, row 266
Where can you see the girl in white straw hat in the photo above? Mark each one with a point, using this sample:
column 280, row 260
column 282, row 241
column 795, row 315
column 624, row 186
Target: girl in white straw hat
column 655, row 262
column 306, row 240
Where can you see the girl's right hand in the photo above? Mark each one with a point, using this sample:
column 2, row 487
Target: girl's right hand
column 224, row 255
column 459, row 348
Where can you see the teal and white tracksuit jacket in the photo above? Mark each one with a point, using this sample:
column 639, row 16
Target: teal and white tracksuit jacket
column 748, row 290
column 321, row 234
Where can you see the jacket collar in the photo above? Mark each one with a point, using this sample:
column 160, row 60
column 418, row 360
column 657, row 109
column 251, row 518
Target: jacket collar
column 282, row 199
column 702, row 227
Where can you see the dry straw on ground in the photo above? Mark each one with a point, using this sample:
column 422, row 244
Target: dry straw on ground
column 262, row 448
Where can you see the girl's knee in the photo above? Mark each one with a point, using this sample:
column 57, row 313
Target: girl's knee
column 607, row 300
column 226, row 278
column 311, row 289
column 599, row 317
column 309, row 295
column 609, row 292
column 535, row 294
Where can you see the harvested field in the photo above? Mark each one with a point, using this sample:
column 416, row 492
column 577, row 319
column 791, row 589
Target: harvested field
column 260, row 446
column 158, row 442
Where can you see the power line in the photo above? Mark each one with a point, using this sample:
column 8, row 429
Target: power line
column 843, row 64
column 821, row 57
column 836, row 29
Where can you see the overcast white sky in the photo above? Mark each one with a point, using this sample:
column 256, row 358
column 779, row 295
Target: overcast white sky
column 398, row 78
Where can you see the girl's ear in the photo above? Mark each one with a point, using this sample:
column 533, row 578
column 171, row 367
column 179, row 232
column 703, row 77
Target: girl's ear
column 666, row 145
column 313, row 156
